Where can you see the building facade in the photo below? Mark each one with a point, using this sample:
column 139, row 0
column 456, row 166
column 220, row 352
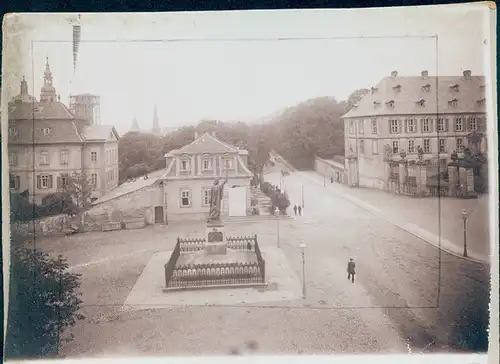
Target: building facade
column 48, row 142
column 417, row 117
column 180, row 192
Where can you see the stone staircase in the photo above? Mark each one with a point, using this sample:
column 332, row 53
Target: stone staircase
column 263, row 201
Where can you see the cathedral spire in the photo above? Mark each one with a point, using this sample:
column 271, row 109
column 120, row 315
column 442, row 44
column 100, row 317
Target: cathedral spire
column 156, row 125
column 135, row 126
column 48, row 92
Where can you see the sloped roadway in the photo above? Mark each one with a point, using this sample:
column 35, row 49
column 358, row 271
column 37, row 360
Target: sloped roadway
column 396, row 272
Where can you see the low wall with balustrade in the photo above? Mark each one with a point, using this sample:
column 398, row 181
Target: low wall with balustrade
column 218, row 273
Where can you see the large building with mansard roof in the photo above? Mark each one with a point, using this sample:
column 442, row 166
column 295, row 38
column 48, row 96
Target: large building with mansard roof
column 48, row 141
column 402, row 114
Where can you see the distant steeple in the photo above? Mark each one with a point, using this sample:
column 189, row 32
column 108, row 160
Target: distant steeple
column 48, row 92
column 156, row 126
column 24, row 87
column 135, row 126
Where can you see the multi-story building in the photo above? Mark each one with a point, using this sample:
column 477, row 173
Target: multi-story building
column 47, row 142
column 403, row 115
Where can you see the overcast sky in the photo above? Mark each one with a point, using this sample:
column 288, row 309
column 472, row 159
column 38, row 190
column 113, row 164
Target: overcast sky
column 204, row 69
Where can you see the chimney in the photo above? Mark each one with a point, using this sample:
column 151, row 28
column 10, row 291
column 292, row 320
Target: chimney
column 394, row 74
column 195, row 135
column 467, row 74
column 425, row 74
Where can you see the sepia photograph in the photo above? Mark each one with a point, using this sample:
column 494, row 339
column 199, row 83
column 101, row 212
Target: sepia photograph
column 249, row 183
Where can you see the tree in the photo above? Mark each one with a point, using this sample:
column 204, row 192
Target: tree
column 43, row 304
column 57, row 203
column 21, row 209
column 77, row 188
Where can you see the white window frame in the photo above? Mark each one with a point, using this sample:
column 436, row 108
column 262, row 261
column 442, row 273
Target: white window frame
column 44, row 158
column 64, row 178
column 427, row 147
column 472, row 123
column 395, row 146
column 47, row 131
column 93, row 180
column 209, row 160
column 441, row 124
column 17, row 181
column 224, row 163
column 185, row 193
column 459, row 121
column 44, row 181
column 461, row 147
column 442, row 145
column 394, row 126
column 361, row 125
column 351, row 127
column 374, row 146
column 426, row 125
column 64, row 153
column 411, row 146
column 374, row 126
column 205, row 196
column 188, row 164
column 362, row 146
column 93, row 157
column 13, row 131
column 411, row 125
column 12, row 159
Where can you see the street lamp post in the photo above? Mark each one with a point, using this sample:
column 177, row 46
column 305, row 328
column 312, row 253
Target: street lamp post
column 277, row 214
column 465, row 215
column 303, row 247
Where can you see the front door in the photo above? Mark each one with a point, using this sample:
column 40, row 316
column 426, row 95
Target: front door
column 158, row 214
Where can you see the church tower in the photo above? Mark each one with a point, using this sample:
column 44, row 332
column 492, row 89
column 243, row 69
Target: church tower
column 156, row 126
column 48, row 92
column 135, row 126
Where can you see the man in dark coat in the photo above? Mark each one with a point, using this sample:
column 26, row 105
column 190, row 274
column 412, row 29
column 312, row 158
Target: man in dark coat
column 295, row 209
column 351, row 270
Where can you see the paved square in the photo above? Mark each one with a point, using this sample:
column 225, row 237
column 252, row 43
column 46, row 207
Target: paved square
column 148, row 290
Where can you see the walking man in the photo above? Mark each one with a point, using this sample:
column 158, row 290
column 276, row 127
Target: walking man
column 351, row 270
column 295, row 209
column 300, row 210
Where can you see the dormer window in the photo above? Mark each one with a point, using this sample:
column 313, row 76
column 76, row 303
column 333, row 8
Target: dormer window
column 481, row 102
column 426, row 88
column 206, row 162
column 453, row 103
column 185, row 164
column 454, row 88
column 374, row 89
column 467, row 74
column 376, row 104
column 13, row 132
column 421, row 102
column 355, row 105
column 47, row 131
column 390, row 104
column 228, row 163
column 397, row 88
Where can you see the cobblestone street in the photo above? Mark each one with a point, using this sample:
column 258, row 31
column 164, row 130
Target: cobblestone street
column 391, row 307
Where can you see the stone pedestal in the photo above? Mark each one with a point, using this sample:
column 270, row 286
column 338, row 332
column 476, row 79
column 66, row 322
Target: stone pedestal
column 216, row 239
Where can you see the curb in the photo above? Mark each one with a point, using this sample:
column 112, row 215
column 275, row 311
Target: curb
column 476, row 258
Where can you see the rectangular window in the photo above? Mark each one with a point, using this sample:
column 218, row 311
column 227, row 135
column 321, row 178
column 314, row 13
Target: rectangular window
column 13, row 131
column 93, row 180
column 411, row 126
column 362, row 146
column 207, row 164
column 44, row 158
column 46, row 131
column 14, row 182
column 206, row 197
column 442, row 145
column 12, row 159
column 185, row 198
column 441, row 124
column 472, row 123
column 411, row 146
column 44, row 181
column 395, row 147
column 459, row 124
column 351, row 127
column 394, row 126
column 64, row 157
column 427, row 145
column 93, row 156
column 460, row 145
column 361, row 127
column 185, row 165
column 374, row 146
column 228, row 163
column 64, row 180
column 374, row 126
column 426, row 125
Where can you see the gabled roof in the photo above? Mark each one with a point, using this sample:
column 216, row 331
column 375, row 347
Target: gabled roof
column 99, row 132
column 205, row 144
column 470, row 91
column 32, row 132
